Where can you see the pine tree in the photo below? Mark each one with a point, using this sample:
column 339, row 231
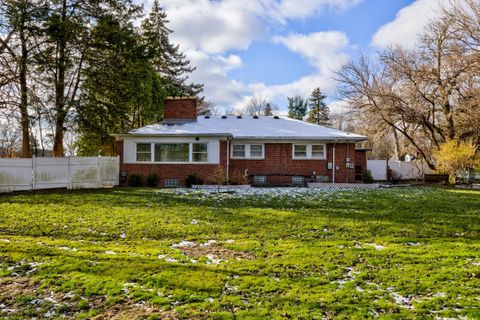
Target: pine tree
column 166, row 57
column 297, row 107
column 319, row 112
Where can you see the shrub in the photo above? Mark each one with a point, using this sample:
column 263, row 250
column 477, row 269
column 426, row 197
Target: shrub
column 135, row 180
column 219, row 177
column 456, row 155
column 367, row 177
column 237, row 178
column 193, row 179
column 153, row 180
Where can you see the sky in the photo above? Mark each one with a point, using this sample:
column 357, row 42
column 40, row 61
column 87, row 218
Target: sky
column 278, row 48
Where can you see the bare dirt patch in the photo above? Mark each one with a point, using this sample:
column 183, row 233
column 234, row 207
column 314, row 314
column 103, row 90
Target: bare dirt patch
column 130, row 310
column 216, row 251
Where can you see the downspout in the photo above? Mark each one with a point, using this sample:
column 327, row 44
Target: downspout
column 334, row 167
column 348, row 167
column 228, row 159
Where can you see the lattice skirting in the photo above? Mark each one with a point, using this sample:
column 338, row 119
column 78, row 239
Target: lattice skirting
column 340, row 186
column 220, row 187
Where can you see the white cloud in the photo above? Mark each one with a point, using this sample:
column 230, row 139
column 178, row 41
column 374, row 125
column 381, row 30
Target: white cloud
column 322, row 49
column 207, row 29
column 408, row 24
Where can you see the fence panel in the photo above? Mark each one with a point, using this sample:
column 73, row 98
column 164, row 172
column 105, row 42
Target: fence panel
column 15, row 174
column 413, row 170
column 378, row 169
column 48, row 173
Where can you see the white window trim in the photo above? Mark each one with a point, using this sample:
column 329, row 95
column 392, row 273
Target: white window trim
column 152, row 156
column 309, row 151
column 248, row 156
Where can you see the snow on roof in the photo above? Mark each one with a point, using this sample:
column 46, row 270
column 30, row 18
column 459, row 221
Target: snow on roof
column 247, row 127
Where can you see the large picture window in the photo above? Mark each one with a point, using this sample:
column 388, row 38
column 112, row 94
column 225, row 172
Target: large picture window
column 144, row 152
column 199, row 152
column 171, row 152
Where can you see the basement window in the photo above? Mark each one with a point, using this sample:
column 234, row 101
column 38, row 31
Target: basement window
column 144, row 152
column 298, row 180
column 172, row 183
column 259, row 179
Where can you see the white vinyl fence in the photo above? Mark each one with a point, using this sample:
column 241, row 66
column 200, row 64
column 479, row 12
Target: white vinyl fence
column 413, row 170
column 378, row 169
column 46, row 173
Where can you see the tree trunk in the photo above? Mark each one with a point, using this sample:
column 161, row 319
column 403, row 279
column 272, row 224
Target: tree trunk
column 396, row 144
column 25, row 121
column 60, row 88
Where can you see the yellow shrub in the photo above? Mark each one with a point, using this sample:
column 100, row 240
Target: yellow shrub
column 456, row 155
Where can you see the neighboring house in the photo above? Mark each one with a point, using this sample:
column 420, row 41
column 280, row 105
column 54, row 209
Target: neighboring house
column 268, row 150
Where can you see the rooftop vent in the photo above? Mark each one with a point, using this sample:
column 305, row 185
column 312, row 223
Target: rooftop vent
column 239, row 117
column 255, row 117
column 207, row 117
column 276, row 117
column 224, row 117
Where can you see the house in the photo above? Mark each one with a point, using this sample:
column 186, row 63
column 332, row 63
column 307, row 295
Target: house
column 268, row 150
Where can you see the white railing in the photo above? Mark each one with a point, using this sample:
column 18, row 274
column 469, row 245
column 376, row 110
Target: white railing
column 48, row 173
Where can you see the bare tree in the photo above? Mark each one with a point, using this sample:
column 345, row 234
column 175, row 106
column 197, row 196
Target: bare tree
column 259, row 106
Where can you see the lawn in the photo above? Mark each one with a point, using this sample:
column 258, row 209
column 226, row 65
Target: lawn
column 154, row 254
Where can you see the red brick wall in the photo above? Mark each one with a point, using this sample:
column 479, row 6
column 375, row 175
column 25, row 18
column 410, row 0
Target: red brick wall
column 361, row 159
column 180, row 109
column 279, row 167
column 176, row 171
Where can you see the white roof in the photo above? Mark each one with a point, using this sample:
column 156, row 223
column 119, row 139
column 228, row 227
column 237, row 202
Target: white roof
column 247, row 127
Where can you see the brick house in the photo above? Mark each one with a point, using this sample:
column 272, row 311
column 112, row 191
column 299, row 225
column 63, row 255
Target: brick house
column 268, row 150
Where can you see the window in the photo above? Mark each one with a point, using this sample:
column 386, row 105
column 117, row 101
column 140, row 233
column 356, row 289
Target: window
column 144, row 152
column 259, row 179
column 199, row 152
column 238, row 151
column 298, row 180
column 256, row 151
column 318, row 151
column 172, row 183
column 172, row 152
column 309, row 151
column 299, row 151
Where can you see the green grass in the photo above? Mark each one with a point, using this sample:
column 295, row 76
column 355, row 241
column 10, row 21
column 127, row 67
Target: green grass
column 396, row 254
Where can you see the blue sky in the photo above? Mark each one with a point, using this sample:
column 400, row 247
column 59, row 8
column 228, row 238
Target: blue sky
column 279, row 48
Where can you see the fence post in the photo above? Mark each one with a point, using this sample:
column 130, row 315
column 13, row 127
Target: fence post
column 70, row 182
column 34, row 164
column 99, row 176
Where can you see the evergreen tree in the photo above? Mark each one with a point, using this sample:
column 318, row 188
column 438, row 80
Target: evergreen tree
column 319, row 112
column 268, row 109
column 297, row 107
column 121, row 90
column 166, row 57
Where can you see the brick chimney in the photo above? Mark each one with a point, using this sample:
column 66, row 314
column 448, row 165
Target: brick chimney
column 180, row 109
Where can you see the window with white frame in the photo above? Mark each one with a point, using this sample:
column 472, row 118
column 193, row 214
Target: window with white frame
column 318, row 151
column 309, row 151
column 248, row 151
column 259, row 179
column 299, row 150
column 144, row 152
column 172, row 152
column 256, row 151
column 238, row 151
column 199, row 152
